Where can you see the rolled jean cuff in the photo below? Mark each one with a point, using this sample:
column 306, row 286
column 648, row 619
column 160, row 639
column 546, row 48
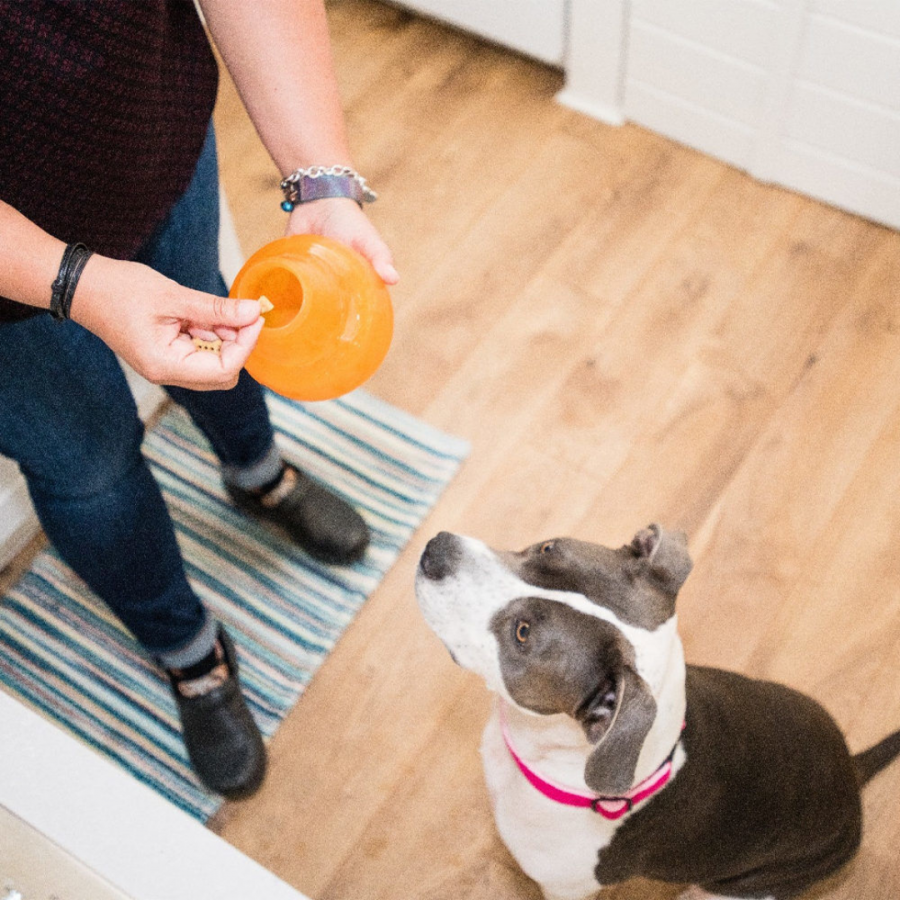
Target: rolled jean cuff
column 199, row 646
column 248, row 478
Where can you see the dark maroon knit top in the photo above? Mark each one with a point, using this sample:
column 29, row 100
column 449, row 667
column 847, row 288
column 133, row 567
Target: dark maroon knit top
column 104, row 106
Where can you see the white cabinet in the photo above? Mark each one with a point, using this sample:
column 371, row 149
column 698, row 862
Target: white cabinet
column 836, row 118
column 803, row 93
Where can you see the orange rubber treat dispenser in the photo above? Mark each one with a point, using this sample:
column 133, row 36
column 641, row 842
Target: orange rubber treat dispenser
column 331, row 320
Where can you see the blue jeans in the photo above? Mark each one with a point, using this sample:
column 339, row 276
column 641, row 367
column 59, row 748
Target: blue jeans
column 68, row 418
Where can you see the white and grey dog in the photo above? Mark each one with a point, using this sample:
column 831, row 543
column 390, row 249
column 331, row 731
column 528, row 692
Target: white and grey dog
column 606, row 757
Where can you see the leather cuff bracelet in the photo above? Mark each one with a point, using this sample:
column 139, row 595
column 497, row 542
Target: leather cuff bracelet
column 72, row 265
column 321, row 182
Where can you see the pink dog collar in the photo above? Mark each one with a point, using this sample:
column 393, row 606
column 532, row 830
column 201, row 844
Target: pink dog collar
column 609, row 807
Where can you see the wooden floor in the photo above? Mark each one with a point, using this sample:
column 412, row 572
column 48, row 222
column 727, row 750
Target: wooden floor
column 627, row 331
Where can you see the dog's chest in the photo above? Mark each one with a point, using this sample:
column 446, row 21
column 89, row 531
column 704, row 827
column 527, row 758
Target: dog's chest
column 553, row 843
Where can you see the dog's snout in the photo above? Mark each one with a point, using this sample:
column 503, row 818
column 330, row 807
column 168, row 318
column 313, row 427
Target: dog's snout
column 440, row 556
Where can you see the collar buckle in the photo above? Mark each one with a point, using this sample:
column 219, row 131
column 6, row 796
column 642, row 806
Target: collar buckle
column 627, row 801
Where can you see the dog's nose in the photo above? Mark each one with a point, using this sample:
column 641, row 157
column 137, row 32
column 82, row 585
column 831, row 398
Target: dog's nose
column 440, row 556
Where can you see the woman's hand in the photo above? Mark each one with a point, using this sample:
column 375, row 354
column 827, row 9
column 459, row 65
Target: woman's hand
column 150, row 322
column 342, row 219
column 144, row 317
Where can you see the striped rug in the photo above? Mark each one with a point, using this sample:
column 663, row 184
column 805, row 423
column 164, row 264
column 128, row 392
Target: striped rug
column 63, row 653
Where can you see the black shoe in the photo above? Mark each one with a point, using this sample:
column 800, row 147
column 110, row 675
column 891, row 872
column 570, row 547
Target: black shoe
column 223, row 743
column 323, row 524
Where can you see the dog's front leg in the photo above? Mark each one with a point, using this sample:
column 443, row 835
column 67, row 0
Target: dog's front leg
column 577, row 893
column 555, row 845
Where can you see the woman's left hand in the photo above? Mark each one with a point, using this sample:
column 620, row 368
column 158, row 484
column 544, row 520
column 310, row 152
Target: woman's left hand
column 342, row 219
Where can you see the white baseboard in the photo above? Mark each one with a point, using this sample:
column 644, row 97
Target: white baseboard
column 611, row 115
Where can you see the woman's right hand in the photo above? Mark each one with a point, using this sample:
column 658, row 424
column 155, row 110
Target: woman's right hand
column 150, row 322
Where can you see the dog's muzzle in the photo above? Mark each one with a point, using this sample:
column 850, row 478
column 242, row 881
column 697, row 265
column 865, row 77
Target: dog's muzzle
column 441, row 556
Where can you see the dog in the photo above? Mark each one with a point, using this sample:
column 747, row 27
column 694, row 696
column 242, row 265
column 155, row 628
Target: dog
column 606, row 757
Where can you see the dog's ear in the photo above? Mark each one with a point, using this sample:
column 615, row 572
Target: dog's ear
column 619, row 733
column 666, row 553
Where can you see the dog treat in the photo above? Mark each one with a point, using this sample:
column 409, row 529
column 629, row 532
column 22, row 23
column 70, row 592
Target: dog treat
column 212, row 346
column 265, row 305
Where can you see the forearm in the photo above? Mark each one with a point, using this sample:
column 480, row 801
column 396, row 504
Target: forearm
column 279, row 54
column 29, row 259
column 144, row 317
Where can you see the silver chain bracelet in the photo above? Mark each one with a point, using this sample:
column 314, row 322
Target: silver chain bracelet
column 321, row 182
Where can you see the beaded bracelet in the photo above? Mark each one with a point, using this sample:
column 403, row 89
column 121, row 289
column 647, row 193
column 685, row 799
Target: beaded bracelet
column 321, row 182
column 62, row 291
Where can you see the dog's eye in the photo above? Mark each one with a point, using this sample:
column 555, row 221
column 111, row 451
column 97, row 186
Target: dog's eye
column 547, row 546
column 522, row 630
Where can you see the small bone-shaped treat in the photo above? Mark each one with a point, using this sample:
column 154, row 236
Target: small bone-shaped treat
column 212, row 346
column 265, row 305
